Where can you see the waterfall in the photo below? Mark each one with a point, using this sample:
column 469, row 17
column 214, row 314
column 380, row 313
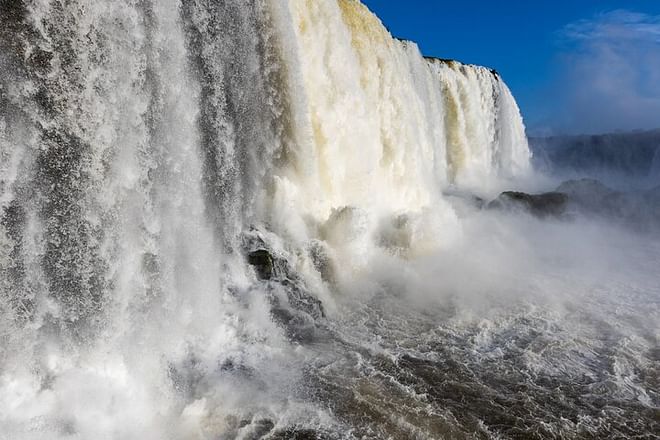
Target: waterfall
column 144, row 144
column 379, row 127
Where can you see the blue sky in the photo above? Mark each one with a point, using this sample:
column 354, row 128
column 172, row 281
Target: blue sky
column 573, row 65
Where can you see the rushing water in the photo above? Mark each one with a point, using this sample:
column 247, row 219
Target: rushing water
column 251, row 219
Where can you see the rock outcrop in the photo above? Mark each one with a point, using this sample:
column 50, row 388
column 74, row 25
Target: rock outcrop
column 551, row 204
column 292, row 305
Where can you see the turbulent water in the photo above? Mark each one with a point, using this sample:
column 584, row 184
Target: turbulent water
column 261, row 219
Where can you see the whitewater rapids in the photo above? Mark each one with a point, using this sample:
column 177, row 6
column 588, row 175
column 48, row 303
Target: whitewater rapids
column 149, row 150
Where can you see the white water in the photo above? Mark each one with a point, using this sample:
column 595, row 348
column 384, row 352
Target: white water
column 380, row 128
column 140, row 143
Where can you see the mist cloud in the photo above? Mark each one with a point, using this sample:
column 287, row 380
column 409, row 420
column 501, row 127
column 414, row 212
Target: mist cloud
column 609, row 74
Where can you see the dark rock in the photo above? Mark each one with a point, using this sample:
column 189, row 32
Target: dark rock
column 293, row 307
column 262, row 261
column 299, row 298
column 551, row 204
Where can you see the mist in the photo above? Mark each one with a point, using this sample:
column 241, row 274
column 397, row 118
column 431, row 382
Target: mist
column 570, row 300
column 273, row 220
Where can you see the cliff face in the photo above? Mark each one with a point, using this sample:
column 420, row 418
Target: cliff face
column 635, row 154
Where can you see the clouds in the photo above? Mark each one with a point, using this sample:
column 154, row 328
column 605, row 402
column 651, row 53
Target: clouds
column 616, row 24
column 609, row 73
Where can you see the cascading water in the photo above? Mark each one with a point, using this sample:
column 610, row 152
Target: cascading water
column 152, row 151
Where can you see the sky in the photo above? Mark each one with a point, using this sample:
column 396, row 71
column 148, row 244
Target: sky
column 574, row 66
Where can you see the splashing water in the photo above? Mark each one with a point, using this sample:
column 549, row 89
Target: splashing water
column 153, row 154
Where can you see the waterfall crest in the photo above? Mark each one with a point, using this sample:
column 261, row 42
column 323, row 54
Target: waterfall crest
column 380, row 127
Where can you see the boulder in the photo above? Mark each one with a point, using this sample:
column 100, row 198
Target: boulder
column 262, row 261
column 551, row 204
column 293, row 306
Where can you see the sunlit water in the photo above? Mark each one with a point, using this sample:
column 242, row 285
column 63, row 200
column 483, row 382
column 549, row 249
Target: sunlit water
column 148, row 149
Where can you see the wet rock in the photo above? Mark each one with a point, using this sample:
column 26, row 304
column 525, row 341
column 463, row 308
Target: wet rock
column 262, row 261
column 301, row 299
column 551, row 204
column 293, row 307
